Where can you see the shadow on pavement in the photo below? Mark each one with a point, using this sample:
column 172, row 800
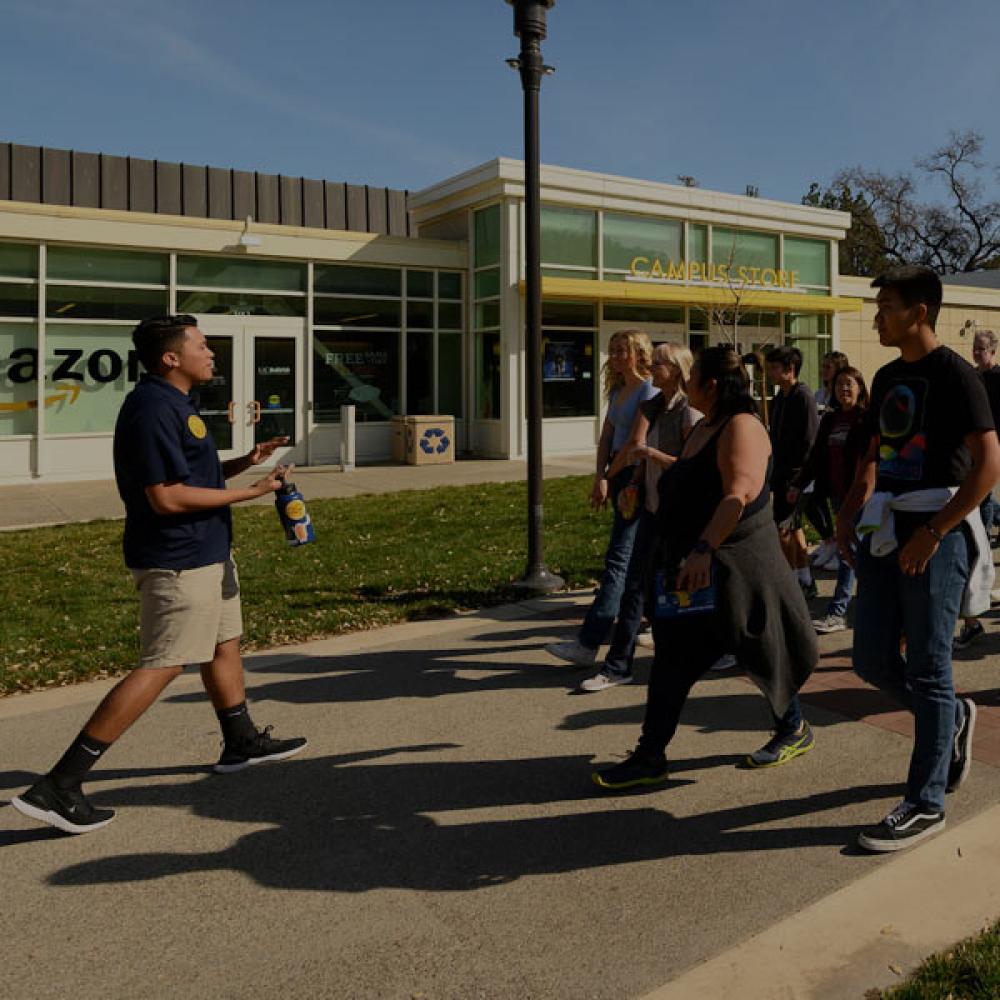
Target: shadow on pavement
column 358, row 827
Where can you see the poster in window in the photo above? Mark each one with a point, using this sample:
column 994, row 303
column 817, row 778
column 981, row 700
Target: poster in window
column 559, row 362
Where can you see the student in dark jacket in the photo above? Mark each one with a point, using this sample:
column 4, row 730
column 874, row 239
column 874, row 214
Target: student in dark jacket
column 794, row 422
column 840, row 442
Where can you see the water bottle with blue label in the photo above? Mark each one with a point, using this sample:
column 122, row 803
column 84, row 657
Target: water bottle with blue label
column 292, row 513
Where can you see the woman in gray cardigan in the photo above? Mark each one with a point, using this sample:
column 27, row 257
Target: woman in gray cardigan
column 721, row 583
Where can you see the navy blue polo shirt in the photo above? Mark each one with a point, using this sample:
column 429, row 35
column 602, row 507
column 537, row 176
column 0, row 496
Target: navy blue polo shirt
column 159, row 438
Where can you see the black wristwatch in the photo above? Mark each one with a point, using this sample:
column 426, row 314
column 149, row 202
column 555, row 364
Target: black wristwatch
column 702, row 547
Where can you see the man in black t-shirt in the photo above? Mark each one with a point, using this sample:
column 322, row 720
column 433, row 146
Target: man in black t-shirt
column 933, row 456
column 794, row 420
column 178, row 532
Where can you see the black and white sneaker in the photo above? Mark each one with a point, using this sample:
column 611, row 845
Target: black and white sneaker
column 968, row 634
column 66, row 809
column 259, row 749
column 961, row 755
column 905, row 826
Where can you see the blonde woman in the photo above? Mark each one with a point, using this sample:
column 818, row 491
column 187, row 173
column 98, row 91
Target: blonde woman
column 659, row 431
column 627, row 384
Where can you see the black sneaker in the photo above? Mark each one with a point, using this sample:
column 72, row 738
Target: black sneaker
column 66, row 809
column 905, row 826
column 961, row 755
column 638, row 769
column 969, row 633
column 780, row 749
column 258, row 750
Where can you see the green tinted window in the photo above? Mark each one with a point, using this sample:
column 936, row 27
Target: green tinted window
column 230, row 272
column 489, row 368
column 569, row 236
column 420, row 373
column 357, row 367
column 741, row 248
column 450, row 285
column 357, row 280
column 804, row 325
column 488, row 283
column 629, row 236
column 644, row 314
column 18, row 300
column 87, row 302
column 697, row 242
column 568, row 314
column 356, row 312
column 18, row 260
column 450, row 374
column 240, row 304
column 450, row 315
column 89, row 264
column 18, row 378
column 488, row 236
column 487, row 315
column 420, row 284
column 420, row 315
column 559, row 272
column 811, row 258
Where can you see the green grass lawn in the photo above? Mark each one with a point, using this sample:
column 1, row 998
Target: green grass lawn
column 970, row 971
column 71, row 611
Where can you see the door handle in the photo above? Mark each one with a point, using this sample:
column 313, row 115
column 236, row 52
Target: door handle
column 256, row 410
column 231, row 411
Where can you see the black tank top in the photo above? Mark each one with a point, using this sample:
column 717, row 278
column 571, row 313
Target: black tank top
column 691, row 489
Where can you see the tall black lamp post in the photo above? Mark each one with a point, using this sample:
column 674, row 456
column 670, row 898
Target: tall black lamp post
column 529, row 26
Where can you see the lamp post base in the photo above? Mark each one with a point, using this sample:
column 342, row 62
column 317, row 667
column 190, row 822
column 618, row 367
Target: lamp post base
column 539, row 580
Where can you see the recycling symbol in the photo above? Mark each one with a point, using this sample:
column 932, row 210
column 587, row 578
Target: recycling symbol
column 427, row 445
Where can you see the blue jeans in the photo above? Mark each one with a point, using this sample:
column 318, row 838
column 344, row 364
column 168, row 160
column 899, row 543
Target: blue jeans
column 923, row 608
column 622, row 651
column 988, row 512
column 602, row 613
column 842, row 591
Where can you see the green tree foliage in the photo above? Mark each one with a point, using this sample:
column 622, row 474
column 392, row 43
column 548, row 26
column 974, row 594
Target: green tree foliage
column 892, row 224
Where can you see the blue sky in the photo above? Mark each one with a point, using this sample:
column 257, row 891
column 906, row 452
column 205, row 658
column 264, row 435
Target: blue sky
column 405, row 93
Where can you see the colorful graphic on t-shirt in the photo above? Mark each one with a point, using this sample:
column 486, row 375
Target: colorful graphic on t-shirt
column 902, row 439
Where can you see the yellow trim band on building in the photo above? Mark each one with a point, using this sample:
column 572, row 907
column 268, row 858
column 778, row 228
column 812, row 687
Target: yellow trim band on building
column 645, row 292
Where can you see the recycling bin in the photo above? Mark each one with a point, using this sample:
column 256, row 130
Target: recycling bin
column 423, row 440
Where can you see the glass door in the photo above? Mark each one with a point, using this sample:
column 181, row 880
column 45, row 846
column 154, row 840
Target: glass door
column 218, row 399
column 273, row 409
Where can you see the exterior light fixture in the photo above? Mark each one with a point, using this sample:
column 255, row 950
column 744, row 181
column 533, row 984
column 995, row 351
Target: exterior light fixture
column 248, row 239
column 529, row 27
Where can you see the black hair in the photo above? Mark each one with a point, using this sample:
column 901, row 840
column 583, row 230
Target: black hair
column 849, row 372
column 916, row 285
column 732, row 384
column 152, row 337
column 787, row 357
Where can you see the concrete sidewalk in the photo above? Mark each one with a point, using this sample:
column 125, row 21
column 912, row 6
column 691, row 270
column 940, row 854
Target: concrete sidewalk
column 33, row 505
column 440, row 837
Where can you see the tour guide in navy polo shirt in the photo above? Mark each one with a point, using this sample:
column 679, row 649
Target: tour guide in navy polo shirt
column 178, row 531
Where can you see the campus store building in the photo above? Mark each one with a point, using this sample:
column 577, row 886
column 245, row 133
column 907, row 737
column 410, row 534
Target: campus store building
column 395, row 303
column 688, row 266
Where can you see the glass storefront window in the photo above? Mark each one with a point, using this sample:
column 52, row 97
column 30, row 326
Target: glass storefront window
column 450, row 370
column 567, row 373
column 89, row 370
column 239, row 304
column 487, row 315
column 232, row 272
column 487, row 228
column 420, row 373
column 88, row 302
column 18, row 378
column 489, row 369
column 556, row 313
column 629, row 236
column 449, row 285
column 420, row 315
column 565, row 272
column 643, row 314
column 420, row 284
column 450, row 316
column 91, row 264
column 18, row 300
column 697, row 242
column 810, row 333
column 569, row 236
column 811, row 258
column 345, row 279
column 18, row 260
column 488, row 283
column 358, row 367
column 741, row 248
column 356, row 312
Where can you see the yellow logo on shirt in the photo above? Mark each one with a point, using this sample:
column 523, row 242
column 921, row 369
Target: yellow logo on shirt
column 197, row 426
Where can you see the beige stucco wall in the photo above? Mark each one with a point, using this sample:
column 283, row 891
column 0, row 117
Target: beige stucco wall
column 859, row 341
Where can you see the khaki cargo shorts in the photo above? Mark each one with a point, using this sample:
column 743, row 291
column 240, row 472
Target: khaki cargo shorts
column 186, row 613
